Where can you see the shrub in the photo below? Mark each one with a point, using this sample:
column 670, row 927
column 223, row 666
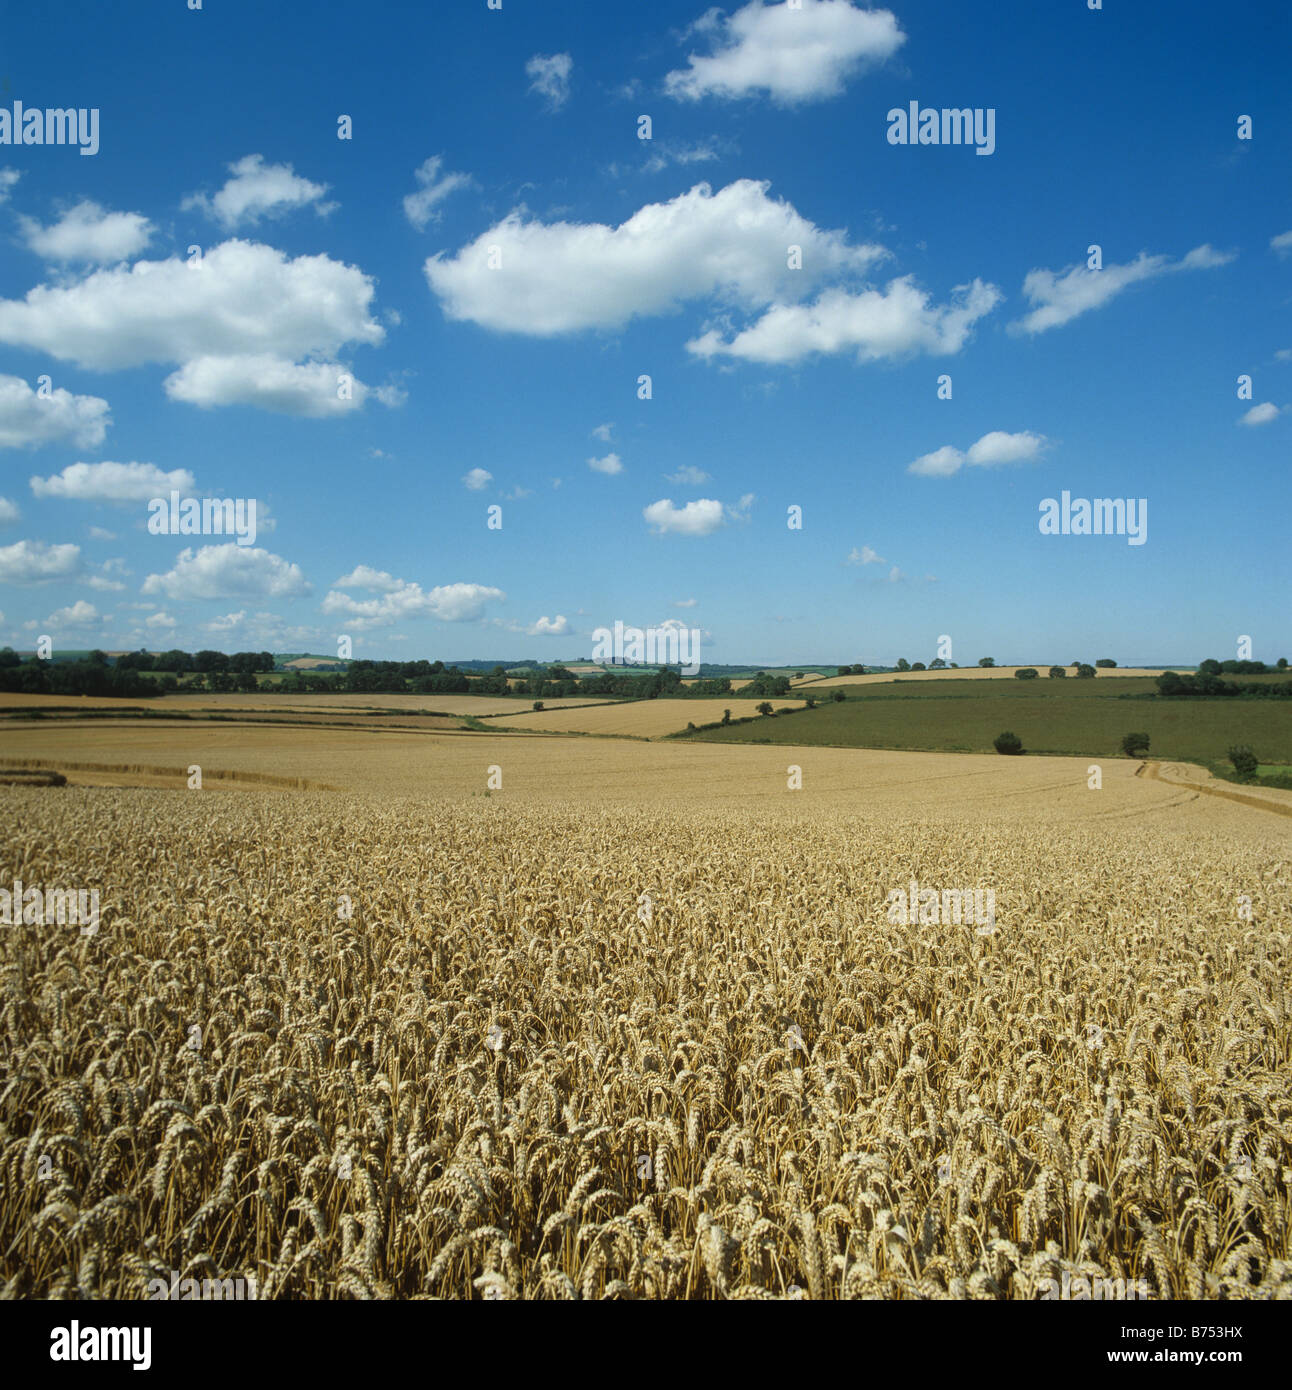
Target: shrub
column 1008, row 743
column 1107, row 662
column 726, row 716
column 1135, row 745
column 986, row 661
column 538, row 704
column 1058, row 673
column 1245, row 762
column 1085, row 671
column 919, row 666
column 837, row 696
column 765, row 707
column 1025, row 673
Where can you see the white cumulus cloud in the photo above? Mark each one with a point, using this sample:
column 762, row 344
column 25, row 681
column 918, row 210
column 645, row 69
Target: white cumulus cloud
column 792, row 53
column 88, row 234
column 402, row 599
column 477, row 479
column 611, row 464
column 316, row 390
column 228, row 571
column 35, row 562
column 113, row 482
column 562, row 277
column 29, row 420
column 258, row 190
column 549, row 627
column 993, row 450
column 696, row 518
column 80, row 614
column 1264, row 414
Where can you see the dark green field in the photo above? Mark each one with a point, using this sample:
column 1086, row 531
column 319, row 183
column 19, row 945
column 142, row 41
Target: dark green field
column 1066, row 717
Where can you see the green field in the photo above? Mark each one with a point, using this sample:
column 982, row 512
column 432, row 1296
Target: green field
column 1064, row 717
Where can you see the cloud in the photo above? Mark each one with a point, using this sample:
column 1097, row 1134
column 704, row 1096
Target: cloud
column 941, row 463
column 477, row 479
column 876, row 324
column 550, row 77
column 611, row 464
column 793, row 55
column 549, row 627
column 864, row 556
column 228, row 571
column 365, row 577
column 1262, row 414
column 740, row 512
column 991, row 451
column 685, row 602
column 97, row 533
column 259, row 190
column 160, row 620
column 87, row 233
column 9, row 512
column 602, row 432
column 113, row 482
column 998, row 448
column 34, row 562
column 8, row 177
column 228, row 623
column 1284, row 355
column 564, row 277
column 1061, row 296
column 80, row 614
column 895, row 575
column 688, row 476
column 242, row 298
column 663, row 154
column 28, row 420
column 400, row 600
column 1281, row 243
column 316, row 390
column 697, row 518
column 433, row 187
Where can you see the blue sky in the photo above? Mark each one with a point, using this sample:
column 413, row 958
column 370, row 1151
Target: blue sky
column 772, row 387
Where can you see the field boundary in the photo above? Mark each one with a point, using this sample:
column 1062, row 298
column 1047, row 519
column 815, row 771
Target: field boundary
column 1156, row 772
column 263, row 779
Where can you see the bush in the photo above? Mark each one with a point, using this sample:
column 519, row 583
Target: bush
column 1058, row 673
column 986, row 661
column 1106, row 661
column 919, row 666
column 811, row 702
column 1008, row 743
column 1245, row 762
column 538, row 704
column 1085, row 671
column 1135, row 745
column 1025, row 673
column 838, row 696
column 764, row 708
column 726, row 716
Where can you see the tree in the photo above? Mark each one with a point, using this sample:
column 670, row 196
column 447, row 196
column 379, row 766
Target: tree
column 1282, row 663
column 986, row 661
column 838, row 696
column 1245, row 762
column 1025, row 673
column 9, row 657
column 811, row 702
column 937, row 664
column 538, row 704
column 798, row 675
column 1058, row 673
column 1210, row 667
column 1008, row 743
column 845, row 670
column 726, row 716
column 1107, row 662
column 1085, row 672
column 903, row 664
column 764, row 708
column 1135, row 745
column 97, row 658
column 919, row 666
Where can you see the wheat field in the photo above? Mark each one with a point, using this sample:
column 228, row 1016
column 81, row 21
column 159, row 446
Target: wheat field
column 648, row 1036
